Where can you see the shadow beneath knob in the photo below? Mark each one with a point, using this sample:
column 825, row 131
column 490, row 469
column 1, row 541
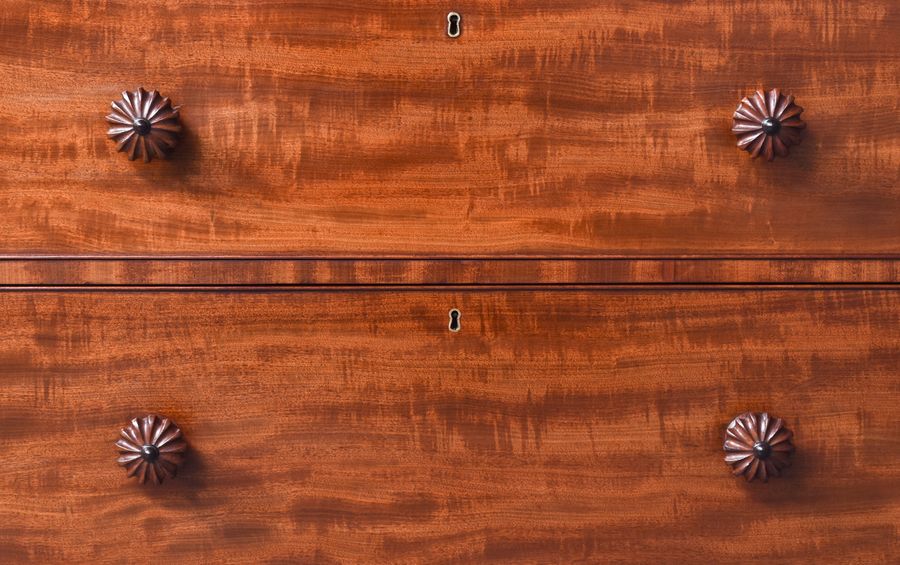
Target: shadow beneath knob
column 175, row 171
column 188, row 486
column 185, row 157
column 192, row 479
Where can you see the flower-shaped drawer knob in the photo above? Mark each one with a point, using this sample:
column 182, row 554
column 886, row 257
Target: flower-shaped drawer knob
column 758, row 446
column 768, row 124
column 151, row 448
column 144, row 124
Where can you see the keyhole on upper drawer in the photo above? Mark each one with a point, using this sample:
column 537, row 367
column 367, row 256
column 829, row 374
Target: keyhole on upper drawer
column 454, row 320
column 453, row 24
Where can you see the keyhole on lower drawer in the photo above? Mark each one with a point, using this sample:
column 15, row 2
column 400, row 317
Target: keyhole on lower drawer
column 454, row 320
column 453, row 24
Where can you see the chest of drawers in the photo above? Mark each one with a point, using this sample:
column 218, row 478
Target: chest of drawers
column 490, row 282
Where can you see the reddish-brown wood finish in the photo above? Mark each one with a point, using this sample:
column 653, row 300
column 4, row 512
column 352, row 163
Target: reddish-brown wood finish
column 557, row 426
column 254, row 272
column 564, row 127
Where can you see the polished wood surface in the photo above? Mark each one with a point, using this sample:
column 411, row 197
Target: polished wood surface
column 352, row 272
column 556, row 426
column 355, row 129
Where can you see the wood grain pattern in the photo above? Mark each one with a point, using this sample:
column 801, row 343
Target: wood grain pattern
column 320, row 128
column 335, row 272
column 353, row 427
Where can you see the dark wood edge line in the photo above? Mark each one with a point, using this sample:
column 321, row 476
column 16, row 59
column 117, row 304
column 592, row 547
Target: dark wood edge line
column 455, row 258
column 452, row 288
column 460, row 285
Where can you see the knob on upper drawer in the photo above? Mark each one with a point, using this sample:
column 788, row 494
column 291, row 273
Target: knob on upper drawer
column 151, row 448
column 144, row 124
column 757, row 446
column 768, row 124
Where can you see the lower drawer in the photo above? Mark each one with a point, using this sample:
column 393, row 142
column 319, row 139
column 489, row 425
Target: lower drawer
column 354, row 426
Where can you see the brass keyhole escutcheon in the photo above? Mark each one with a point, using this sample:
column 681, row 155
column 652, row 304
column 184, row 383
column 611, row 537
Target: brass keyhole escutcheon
column 455, row 315
column 453, row 24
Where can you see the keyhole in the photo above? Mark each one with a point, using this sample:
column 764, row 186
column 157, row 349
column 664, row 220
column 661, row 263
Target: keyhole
column 453, row 27
column 454, row 320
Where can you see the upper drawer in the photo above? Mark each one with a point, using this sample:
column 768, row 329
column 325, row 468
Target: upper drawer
column 547, row 128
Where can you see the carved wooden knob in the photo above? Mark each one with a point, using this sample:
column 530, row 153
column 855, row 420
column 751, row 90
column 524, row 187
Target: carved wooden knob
column 151, row 448
column 144, row 124
column 768, row 124
column 757, row 446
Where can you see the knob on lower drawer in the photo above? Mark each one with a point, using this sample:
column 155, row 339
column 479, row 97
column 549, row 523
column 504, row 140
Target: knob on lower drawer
column 151, row 448
column 144, row 124
column 757, row 446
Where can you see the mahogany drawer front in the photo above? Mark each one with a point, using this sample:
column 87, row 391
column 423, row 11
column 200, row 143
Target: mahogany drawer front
column 561, row 128
column 353, row 426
